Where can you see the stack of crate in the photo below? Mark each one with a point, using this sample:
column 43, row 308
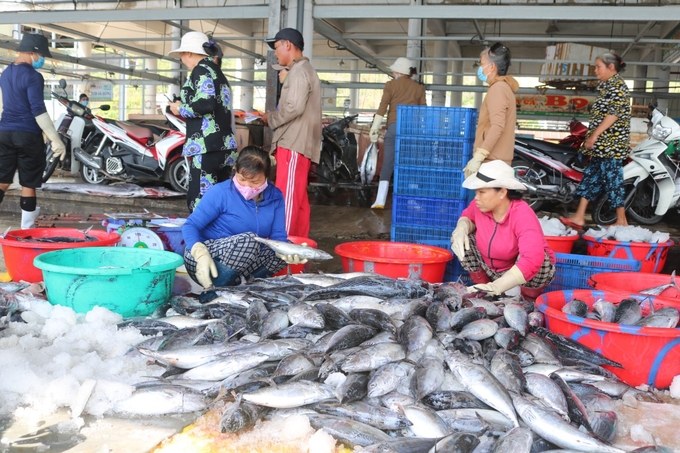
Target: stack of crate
column 433, row 146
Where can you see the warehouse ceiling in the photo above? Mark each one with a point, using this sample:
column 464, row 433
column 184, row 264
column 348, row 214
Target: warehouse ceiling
column 374, row 32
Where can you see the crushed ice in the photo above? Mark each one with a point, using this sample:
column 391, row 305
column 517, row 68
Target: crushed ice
column 553, row 227
column 628, row 233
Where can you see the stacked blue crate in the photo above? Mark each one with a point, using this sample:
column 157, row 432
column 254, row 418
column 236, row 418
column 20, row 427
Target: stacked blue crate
column 433, row 144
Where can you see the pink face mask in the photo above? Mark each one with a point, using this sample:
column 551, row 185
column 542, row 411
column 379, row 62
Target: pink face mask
column 249, row 192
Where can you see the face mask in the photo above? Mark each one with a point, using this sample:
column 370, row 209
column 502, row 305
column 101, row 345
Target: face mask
column 84, row 103
column 480, row 74
column 249, row 192
column 38, row 64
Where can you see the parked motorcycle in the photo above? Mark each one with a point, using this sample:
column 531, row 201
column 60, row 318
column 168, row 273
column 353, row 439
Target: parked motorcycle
column 649, row 176
column 577, row 134
column 338, row 165
column 75, row 129
column 550, row 171
column 134, row 153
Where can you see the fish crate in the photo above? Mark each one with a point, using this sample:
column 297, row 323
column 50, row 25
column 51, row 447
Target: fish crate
column 573, row 271
column 452, row 122
column 454, row 272
column 439, row 237
column 429, row 182
column 417, row 211
column 437, row 152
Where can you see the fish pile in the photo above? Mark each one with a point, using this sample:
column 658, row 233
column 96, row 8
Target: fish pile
column 380, row 364
column 627, row 311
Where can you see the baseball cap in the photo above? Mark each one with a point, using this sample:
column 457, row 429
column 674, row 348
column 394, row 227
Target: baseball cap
column 287, row 34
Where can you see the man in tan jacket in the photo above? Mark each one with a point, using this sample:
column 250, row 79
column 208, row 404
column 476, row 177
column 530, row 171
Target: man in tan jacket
column 297, row 127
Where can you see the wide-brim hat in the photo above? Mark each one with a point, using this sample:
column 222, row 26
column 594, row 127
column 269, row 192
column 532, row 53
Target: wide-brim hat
column 192, row 42
column 36, row 43
column 287, row 34
column 495, row 174
column 402, row 66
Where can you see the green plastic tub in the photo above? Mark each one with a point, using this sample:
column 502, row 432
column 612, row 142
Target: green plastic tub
column 128, row 281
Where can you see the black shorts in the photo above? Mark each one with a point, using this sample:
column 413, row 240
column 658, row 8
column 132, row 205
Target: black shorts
column 23, row 150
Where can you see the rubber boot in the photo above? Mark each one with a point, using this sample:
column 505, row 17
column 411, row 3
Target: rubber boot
column 479, row 277
column 381, row 197
column 28, row 218
column 531, row 293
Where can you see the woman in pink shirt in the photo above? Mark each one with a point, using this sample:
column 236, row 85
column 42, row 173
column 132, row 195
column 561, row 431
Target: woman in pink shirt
column 498, row 238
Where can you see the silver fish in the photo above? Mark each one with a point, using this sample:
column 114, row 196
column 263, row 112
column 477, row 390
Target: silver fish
column 349, row 432
column 548, row 391
column 425, row 422
column 456, row 442
column 290, row 395
column 429, row 376
column 304, row 315
column 225, row 366
column 287, row 248
column 475, row 420
column 273, row 322
column 162, row 400
column 656, row 290
column 376, row 416
column 517, row 318
column 190, row 357
column 551, row 427
column 240, row 415
column 505, row 367
column 388, row 377
column 369, row 164
column 517, row 440
column 605, row 310
column 373, row 357
column 479, row 330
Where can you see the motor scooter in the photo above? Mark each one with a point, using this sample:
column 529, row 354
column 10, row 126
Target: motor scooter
column 651, row 175
column 338, row 166
column 577, row 134
column 75, row 129
column 134, row 153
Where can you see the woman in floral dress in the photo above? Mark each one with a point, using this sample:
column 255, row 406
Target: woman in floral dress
column 205, row 103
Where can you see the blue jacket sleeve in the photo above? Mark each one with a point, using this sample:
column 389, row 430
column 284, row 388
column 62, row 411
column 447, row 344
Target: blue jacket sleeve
column 209, row 209
column 35, row 94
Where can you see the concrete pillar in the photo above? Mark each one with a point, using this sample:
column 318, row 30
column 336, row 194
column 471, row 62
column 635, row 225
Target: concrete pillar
column 83, row 50
column 308, row 30
column 354, row 92
column 122, row 101
column 245, row 94
column 149, row 106
column 413, row 47
column 479, row 95
column 277, row 17
column 16, row 31
column 662, row 76
column 174, row 66
column 439, row 68
column 639, row 86
column 457, row 96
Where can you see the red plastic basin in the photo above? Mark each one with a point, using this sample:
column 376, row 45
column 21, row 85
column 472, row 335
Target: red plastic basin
column 649, row 355
column 651, row 255
column 297, row 268
column 395, row 259
column 561, row 244
column 634, row 282
column 19, row 255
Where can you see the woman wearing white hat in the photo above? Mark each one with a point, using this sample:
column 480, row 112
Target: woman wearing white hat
column 206, row 104
column 402, row 90
column 499, row 239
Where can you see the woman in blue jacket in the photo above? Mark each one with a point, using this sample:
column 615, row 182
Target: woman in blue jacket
column 219, row 234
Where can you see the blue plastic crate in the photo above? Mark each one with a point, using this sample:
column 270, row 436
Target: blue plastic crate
column 437, row 152
column 416, row 211
column 573, row 271
column 452, row 122
column 455, row 272
column 438, row 237
column 429, row 182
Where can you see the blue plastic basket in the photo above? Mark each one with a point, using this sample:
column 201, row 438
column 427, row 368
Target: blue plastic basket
column 452, row 122
column 454, row 272
column 438, row 237
column 429, row 182
column 435, row 152
column 417, row 211
column 573, row 271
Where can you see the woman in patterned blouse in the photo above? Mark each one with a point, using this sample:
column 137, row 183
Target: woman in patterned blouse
column 607, row 142
column 206, row 104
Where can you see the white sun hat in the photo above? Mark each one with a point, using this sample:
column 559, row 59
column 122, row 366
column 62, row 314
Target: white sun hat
column 192, row 42
column 495, row 174
column 402, row 66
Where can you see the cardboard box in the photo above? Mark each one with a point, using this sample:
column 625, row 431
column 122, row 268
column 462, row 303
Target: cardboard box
column 561, row 72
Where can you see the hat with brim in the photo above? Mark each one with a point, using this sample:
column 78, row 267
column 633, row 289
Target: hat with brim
column 192, row 42
column 287, row 34
column 36, row 43
column 494, row 175
column 402, row 66
column 278, row 67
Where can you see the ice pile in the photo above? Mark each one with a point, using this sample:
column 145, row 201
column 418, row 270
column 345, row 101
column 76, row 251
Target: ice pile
column 628, row 233
column 47, row 360
column 553, row 227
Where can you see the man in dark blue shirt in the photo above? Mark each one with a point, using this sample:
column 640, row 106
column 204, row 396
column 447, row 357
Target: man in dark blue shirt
column 23, row 120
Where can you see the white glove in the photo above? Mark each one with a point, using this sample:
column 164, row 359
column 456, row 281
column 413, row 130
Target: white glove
column 272, row 160
column 45, row 123
column 513, row 277
column 375, row 128
column 292, row 259
column 473, row 164
column 205, row 265
column 460, row 241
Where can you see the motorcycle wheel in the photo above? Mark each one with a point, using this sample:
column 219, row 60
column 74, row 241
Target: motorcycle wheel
column 326, row 175
column 90, row 175
column 51, row 165
column 639, row 207
column 178, row 175
column 524, row 171
column 365, row 197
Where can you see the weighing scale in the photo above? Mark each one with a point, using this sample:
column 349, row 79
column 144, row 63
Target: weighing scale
column 136, row 234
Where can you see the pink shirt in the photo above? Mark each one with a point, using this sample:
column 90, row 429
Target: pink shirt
column 517, row 239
